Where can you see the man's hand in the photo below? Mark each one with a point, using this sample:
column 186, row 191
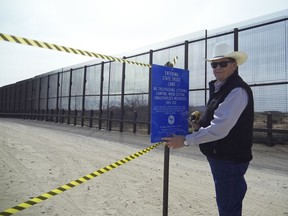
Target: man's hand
column 176, row 141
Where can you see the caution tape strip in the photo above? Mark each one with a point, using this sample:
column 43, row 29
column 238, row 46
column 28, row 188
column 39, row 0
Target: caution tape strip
column 75, row 183
column 45, row 45
column 174, row 61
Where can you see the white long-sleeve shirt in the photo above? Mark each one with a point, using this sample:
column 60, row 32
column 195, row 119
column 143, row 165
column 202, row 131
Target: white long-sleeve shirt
column 224, row 119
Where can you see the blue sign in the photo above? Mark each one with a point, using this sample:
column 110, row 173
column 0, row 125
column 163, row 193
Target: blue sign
column 169, row 102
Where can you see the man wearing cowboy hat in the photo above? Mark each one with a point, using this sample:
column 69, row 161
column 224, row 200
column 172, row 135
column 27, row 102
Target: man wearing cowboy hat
column 224, row 134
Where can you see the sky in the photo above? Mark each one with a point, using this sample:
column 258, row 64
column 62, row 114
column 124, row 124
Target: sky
column 107, row 27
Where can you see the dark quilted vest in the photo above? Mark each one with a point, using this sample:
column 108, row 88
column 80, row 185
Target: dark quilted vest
column 236, row 146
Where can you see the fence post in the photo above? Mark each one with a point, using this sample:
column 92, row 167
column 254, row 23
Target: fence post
column 47, row 98
column 110, row 120
column 62, row 116
column 83, row 97
column 83, row 117
column 35, row 117
column 149, row 89
column 57, row 98
column 51, row 115
column 91, row 118
column 43, row 115
column 134, row 123
column 269, row 129
column 100, row 119
column 22, row 114
column 56, row 115
column 101, row 96
column 75, row 117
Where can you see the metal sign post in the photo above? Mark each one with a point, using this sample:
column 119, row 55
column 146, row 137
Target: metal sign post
column 166, row 181
column 169, row 111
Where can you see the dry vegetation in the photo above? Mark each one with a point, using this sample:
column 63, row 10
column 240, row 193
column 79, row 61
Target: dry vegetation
column 279, row 121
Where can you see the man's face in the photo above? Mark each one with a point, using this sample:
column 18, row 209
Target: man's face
column 227, row 69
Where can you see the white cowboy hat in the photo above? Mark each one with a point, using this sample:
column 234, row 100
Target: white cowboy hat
column 223, row 50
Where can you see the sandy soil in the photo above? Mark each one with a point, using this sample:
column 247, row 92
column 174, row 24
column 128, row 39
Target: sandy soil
column 36, row 157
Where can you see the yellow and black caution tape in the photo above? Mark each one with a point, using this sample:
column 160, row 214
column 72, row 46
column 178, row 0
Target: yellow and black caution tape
column 45, row 45
column 75, row 183
column 174, row 61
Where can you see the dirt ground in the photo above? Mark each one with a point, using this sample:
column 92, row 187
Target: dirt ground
column 36, row 157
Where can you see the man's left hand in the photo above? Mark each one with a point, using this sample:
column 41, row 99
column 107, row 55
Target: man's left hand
column 176, row 141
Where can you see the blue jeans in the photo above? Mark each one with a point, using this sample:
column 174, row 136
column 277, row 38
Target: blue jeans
column 230, row 185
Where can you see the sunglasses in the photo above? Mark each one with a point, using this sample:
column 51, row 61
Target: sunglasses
column 222, row 64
